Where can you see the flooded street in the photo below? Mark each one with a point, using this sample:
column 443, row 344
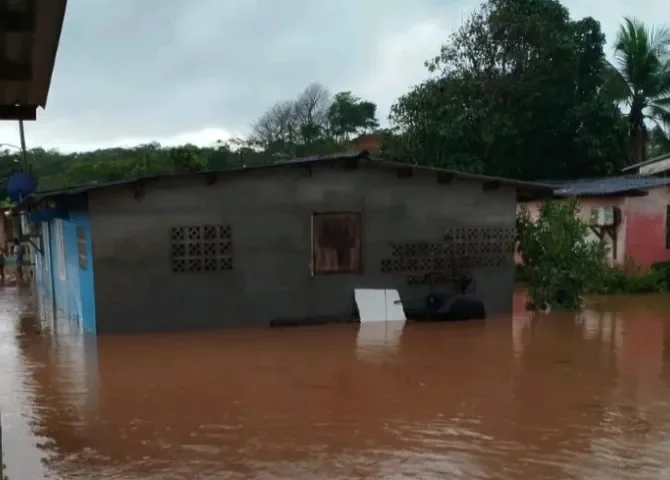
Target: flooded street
column 551, row 397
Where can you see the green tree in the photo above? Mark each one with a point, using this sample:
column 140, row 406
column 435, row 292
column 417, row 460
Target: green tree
column 517, row 91
column 187, row 159
column 349, row 115
column 658, row 143
column 313, row 123
column 560, row 263
column 640, row 77
column 55, row 169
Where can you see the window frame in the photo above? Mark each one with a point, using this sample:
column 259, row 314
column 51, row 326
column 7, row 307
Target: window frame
column 359, row 265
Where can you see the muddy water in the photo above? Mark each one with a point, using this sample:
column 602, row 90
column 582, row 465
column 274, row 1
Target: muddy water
column 551, row 397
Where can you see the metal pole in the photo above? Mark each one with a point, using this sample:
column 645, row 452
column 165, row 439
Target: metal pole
column 24, row 154
column 2, row 459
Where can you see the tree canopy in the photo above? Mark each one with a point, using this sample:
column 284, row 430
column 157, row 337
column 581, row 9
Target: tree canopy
column 640, row 77
column 518, row 92
column 55, row 169
column 314, row 122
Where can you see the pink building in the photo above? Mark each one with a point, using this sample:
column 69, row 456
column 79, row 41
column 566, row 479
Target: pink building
column 629, row 213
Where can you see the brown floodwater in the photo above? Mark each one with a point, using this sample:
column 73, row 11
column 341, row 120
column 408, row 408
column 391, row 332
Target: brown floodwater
column 530, row 397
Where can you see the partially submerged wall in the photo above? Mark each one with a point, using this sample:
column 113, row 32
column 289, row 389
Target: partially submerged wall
column 646, row 227
column 270, row 219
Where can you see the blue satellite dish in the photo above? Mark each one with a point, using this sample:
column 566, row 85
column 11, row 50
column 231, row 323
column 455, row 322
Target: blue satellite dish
column 20, row 185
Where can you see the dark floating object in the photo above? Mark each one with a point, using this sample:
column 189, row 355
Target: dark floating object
column 444, row 307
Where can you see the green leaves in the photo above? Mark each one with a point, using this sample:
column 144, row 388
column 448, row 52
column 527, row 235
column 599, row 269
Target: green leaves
column 659, row 142
column 520, row 93
column 55, row 169
column 561, row 263
column 642, row 61
column 348, row 115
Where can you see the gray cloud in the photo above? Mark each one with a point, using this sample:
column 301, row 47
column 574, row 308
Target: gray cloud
column 144, row 69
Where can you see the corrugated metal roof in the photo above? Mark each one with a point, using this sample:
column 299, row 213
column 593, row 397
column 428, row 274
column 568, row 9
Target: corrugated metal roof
column 533, row 188
column 607, row 186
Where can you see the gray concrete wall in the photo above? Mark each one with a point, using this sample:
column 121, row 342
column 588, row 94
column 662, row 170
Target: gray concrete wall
column 270, row 214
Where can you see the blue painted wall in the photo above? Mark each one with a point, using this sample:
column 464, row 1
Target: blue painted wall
column 72, row 287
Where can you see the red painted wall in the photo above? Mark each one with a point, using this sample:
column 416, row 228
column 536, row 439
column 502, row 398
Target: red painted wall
column 646, row 227
column 645, row 238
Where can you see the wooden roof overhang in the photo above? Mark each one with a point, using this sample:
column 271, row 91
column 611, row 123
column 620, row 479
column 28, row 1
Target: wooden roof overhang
column 30, row 32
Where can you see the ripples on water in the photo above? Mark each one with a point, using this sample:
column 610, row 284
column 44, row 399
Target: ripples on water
column 550, row 397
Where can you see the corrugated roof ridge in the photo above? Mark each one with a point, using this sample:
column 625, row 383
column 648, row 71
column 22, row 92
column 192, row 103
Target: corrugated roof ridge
column 312, row 159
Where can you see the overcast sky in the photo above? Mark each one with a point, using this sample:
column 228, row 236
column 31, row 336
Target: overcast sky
column 177, row 71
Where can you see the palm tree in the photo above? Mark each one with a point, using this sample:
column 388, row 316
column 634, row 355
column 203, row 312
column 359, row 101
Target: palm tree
column 640, row 78
column 659, row 143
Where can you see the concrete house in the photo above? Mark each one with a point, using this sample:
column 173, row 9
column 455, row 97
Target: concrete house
column 631, row 214
column 258, row 246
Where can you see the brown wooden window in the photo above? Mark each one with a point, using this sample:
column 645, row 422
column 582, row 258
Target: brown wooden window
column 337, row 243
column 81, row 248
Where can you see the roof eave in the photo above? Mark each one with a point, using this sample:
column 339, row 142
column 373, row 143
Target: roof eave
column 624, row 193
column 51, row 17
column 28, row 52
column 351, row 159
column 521, row 184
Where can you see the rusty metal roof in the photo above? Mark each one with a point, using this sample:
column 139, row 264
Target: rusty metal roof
column 29, row 36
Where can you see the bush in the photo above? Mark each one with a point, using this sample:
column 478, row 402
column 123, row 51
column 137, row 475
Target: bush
column 632, row 279
column 561, row 264
column 617, row 280
column 662, row 269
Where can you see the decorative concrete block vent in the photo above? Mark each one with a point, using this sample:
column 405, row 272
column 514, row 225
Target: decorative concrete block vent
column 203, row 248
column 462, row 249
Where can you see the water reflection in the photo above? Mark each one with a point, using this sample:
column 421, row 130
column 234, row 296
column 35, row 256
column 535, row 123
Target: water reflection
column 377, row 340
column 534, row 397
